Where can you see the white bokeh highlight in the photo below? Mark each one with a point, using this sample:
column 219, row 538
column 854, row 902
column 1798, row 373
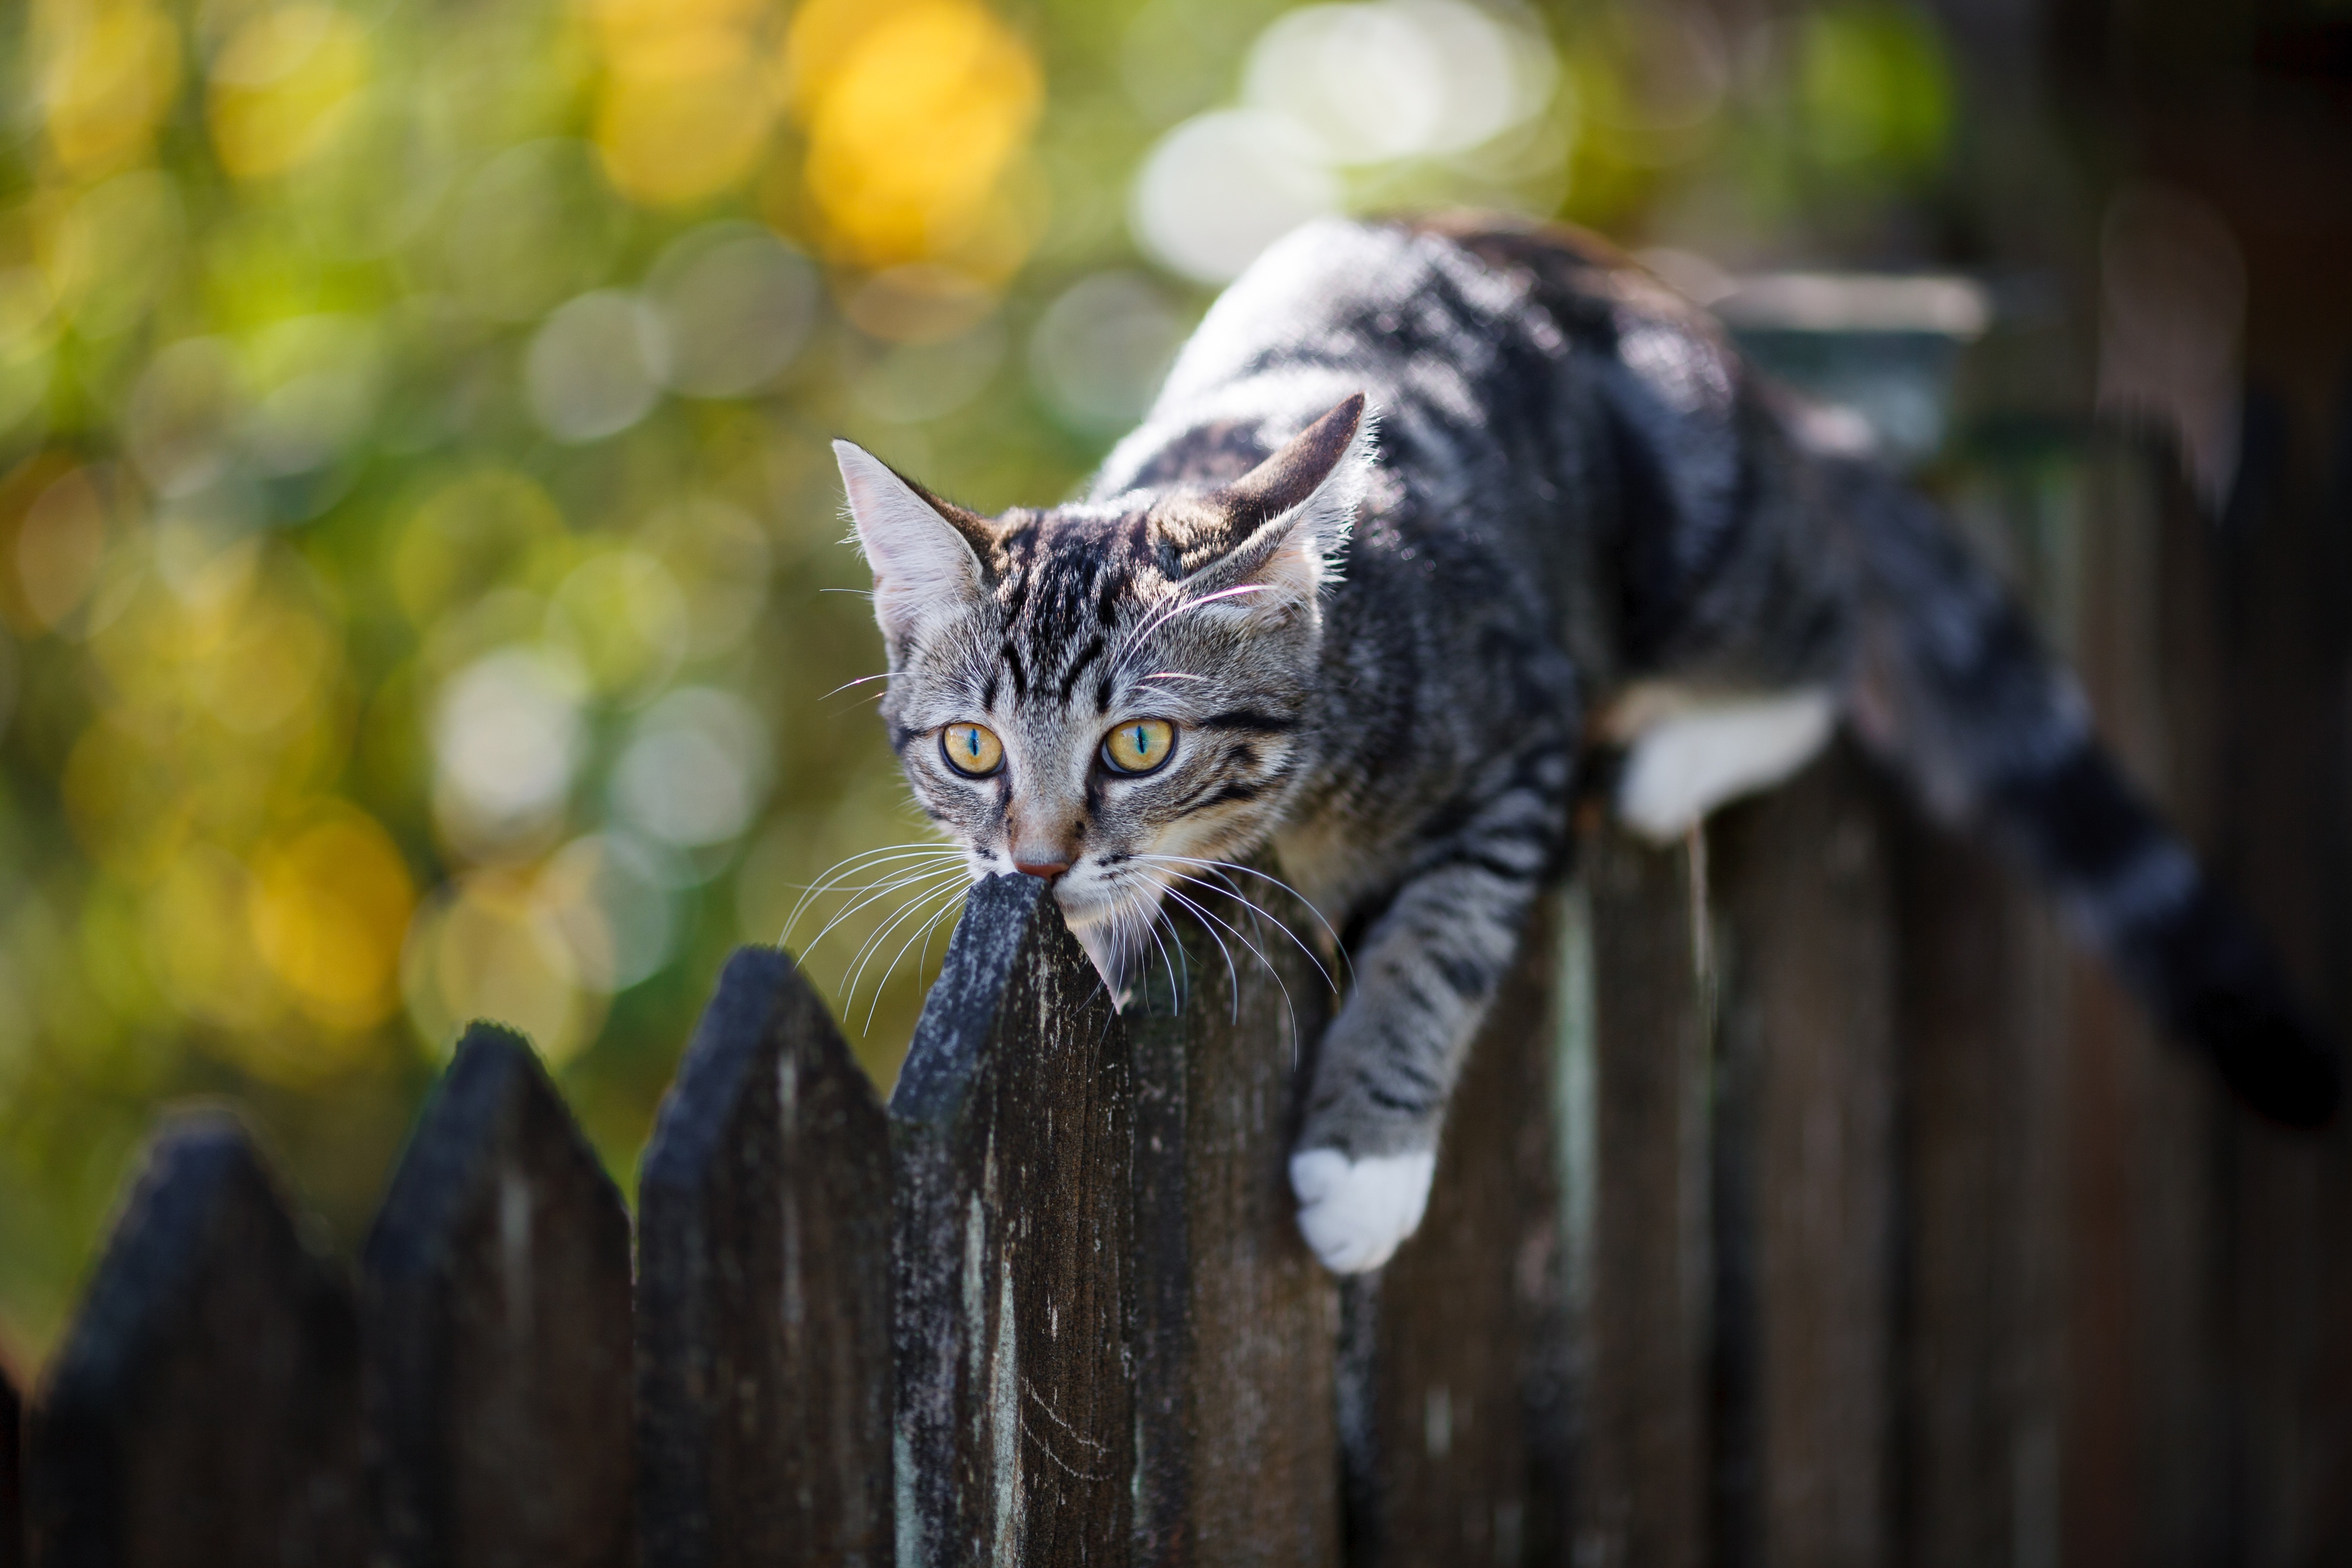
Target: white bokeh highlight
column 596, row 367
column 1334, row 96
column 694, row 770
column 507, row 736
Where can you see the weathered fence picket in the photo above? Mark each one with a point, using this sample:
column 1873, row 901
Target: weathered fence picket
column 763, row 1291
column 1804, row 1122
column 1979, row 1006
column 1237, row 1457
column 1013, row 1155
column 205, row 1407
column 1636, row 1105
column 1455, row 1404
column 496, row 1325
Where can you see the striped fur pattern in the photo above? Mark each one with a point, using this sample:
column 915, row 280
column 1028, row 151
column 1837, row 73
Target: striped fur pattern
column 1379, row 652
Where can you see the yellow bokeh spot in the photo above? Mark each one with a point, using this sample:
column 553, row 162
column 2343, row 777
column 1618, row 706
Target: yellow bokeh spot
column 264, row 671
column 914, row 112
column 282, row 88
column 470, row 535
column 123, row 802
column 689, row 95
column 109, row 71
column 198, row 945
column 492, row 946
column 328, row 907
column 60, row 545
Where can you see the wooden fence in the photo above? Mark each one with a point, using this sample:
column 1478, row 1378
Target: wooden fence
column 1805, row 1204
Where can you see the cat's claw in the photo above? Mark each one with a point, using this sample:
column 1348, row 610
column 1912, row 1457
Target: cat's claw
column 1354, row 1212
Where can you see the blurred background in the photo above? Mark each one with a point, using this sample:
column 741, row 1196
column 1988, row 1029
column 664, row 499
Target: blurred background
column 421, row 585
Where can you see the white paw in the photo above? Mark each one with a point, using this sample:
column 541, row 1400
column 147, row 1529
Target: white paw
column 1354, row 1212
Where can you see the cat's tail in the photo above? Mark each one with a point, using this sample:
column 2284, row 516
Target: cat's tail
column 1954, row 688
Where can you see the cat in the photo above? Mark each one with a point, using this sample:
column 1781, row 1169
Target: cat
column 1424, row 509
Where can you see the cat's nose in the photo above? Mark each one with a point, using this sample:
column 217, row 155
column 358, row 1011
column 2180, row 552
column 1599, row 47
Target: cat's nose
column 1049, row 870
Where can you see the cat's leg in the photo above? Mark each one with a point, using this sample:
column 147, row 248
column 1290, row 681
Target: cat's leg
column 1424, row 978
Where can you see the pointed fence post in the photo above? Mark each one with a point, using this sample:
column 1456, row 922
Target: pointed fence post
column 204, row 1408
column 1236, row 1425
column 494, row 1310
column 1011, row 1153
column 763, row 1291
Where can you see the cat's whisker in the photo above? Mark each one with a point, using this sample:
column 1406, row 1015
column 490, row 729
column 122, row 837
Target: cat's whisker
column 874, row 941
column 864, row 861
column 867, row 859
column 1133, row 644
column 912, row 878
column 1275, row 974
column 923, row 960
column 1170, row 675
column 882, row 981
column 1295, row 941
column 861, row 680
column 1148, row 915
column 922, row 886
column 1233, row 975
column 1266, row 877
column 886, row 852
column 1154, row 917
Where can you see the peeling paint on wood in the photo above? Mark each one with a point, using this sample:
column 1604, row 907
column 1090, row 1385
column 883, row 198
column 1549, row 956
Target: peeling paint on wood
column 1011, row 1146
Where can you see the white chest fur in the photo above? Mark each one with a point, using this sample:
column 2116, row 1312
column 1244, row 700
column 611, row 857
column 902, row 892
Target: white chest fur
column 1688, row 752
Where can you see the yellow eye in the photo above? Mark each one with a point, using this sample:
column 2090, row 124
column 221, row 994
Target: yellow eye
column 1140, row 745
column 971, row 748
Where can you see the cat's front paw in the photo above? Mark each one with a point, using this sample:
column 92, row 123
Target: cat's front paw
column 1354, row 1212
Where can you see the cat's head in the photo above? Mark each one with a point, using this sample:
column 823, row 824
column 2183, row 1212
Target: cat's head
column 1112, row 694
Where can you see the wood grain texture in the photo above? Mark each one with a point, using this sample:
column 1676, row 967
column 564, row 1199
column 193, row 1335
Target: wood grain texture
column 1981, row 1018
column 1453, row 1399
column 2146, row 1460
column 1805, row 1117
column 1639, row 1201
column 1011, row 1156
column 204, row 1407
column 763, row 1291
column 1237, row 1456
column 496, row 1316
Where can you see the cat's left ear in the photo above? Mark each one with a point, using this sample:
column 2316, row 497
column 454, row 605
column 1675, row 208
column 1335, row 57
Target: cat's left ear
column 1278, row 527
column 925, row 552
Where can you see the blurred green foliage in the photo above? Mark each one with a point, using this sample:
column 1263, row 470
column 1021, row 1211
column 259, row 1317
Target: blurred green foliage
column 419, row 551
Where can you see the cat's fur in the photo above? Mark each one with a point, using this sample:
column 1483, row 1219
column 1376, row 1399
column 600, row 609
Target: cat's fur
column 1384, row 647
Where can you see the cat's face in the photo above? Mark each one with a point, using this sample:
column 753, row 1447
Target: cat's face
column 1112, row 695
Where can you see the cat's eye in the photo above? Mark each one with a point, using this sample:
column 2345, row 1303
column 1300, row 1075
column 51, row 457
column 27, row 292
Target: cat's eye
column 971, row 748
column 1138, row 746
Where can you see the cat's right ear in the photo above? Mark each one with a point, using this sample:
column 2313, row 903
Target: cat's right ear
column 925, row 566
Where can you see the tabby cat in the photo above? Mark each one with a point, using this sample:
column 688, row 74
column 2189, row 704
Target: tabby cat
column 1423, row 510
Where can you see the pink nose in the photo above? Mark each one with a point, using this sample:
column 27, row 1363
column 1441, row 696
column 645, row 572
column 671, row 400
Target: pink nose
column 1049, row 870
